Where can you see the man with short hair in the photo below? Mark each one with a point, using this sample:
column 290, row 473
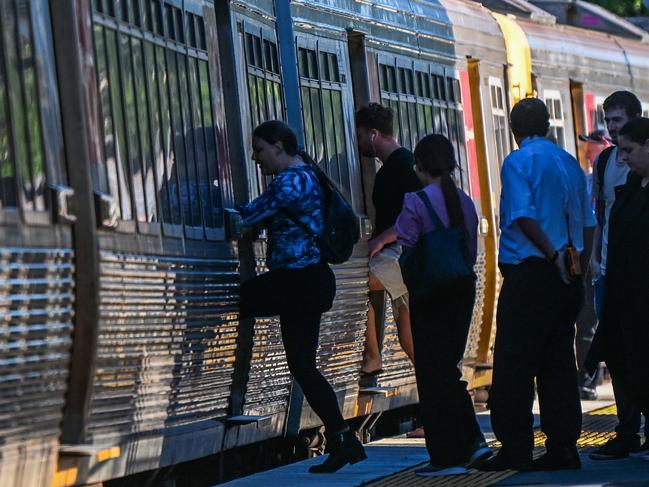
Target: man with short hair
column 395, row 178
column 608, row 173
column 545, row 220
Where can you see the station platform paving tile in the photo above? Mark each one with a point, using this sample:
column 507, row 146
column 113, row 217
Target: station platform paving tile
column 393, row 461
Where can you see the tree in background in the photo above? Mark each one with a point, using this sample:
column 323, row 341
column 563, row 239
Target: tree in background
column 624, row 8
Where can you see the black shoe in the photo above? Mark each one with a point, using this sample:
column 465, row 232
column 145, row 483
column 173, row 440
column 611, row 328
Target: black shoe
column 481, row 453
column 564, row 458
column 616, row 448
column 345, row 448
column 587, row 394
column 504, row 462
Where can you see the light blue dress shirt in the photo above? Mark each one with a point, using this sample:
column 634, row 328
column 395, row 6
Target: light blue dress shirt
column 542, row 181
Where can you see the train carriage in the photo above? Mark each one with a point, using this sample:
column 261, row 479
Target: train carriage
column 124, row 144
column 155, row 336
column 38, row 255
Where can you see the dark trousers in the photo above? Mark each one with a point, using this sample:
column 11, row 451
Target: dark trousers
column 299, row 297
column 440, row 325
column 586, row 327
column 628, row 413
column 535, row 339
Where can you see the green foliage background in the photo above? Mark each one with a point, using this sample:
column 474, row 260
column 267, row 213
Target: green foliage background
column 623, row 7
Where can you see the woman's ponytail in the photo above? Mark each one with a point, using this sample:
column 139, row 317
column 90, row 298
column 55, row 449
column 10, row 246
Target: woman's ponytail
column 452, row 200
column 436, row 156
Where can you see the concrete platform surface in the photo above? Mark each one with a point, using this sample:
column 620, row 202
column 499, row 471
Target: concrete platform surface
column 392, row 461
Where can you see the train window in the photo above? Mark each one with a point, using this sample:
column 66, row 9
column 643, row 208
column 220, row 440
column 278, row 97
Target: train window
column 599, row 116
column 159, row 146
column 555, row 107
column 424, row 103
column 499, row 114
column 264, row 81
column 322, row 112
column 23, row 140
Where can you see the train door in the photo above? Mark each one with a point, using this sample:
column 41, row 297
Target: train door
column 37, row 257
column 488, row 107
column 264, row 374
column 578, row 105
column 158, row 365
column 328, row 118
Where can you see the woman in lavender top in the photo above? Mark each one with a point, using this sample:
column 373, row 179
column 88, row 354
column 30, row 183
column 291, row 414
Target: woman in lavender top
column 441, row 318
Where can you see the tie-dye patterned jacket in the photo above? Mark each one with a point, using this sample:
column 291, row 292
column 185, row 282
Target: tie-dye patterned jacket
column 297, row 190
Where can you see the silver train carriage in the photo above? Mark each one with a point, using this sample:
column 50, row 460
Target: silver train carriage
column 125, row 142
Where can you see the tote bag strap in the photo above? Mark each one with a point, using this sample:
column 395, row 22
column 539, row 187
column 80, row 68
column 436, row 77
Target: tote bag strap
column 431, row 211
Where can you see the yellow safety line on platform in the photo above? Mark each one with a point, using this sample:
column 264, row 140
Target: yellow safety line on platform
column 597, row 428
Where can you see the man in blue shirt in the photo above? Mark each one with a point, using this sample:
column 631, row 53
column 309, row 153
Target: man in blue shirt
column 544, row 209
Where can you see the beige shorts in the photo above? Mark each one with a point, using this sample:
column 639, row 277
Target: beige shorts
column 385, row 267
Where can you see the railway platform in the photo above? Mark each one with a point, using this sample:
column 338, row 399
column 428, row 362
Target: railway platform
column 392, row 462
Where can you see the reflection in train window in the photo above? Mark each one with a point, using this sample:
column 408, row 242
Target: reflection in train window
column 155, row 104
column 321, row 86
column 264, row 84
column 499, row 114
column 424, row 103
column 599, row 117
column 557, row 129
column 22, row 154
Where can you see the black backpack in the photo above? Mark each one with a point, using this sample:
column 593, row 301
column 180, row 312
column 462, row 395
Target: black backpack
column 341, row 227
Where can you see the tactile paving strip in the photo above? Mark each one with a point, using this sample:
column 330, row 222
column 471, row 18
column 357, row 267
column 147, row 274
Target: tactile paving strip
column 598, row 426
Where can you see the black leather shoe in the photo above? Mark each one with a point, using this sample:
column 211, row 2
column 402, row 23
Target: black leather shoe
column 558, row 459
column 505, row 462
column 345, row 448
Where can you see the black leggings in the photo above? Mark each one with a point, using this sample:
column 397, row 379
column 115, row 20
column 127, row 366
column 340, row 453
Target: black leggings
column 299, row 297
column 440, row 325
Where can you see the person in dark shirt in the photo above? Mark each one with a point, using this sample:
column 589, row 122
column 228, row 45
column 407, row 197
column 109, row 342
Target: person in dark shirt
column 395, row 178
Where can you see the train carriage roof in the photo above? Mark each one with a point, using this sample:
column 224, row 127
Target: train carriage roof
column 476, row 32
column 565, row 52
column 638, row 55
column 406, row 26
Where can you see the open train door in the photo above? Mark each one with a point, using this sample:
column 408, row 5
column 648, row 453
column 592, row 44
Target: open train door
column 488, row 227
column 37, row 258
column 578, row 103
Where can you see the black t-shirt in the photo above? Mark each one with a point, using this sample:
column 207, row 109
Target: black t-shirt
column 395, row 178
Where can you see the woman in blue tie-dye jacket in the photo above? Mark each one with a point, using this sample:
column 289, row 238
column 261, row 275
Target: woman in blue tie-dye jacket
column 299, row 286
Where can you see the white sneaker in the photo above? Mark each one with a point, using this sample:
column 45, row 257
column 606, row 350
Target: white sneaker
column 434, row 471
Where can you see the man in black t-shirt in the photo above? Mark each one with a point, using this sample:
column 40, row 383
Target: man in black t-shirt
column 395, row 178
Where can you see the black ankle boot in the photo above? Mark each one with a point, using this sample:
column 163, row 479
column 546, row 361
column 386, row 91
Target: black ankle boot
column 345, row 448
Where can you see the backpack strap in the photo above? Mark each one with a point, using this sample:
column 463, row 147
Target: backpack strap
column 431, row 211
column 602, row 161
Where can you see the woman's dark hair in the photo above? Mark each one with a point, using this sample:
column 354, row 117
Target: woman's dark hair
column 530, row 117
column 436, row 156
column 624, row 100
column 637, row 130
column 274, row 131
